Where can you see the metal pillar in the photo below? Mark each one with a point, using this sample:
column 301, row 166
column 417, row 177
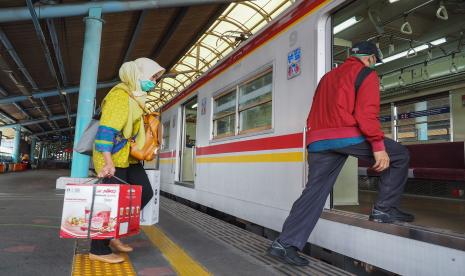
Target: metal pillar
column 33, row 150
column 15, row 156
column 77, row 9
column 88, row 86
column 422, row 122
column 41, row 151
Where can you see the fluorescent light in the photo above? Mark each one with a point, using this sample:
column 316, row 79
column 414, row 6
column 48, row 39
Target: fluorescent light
column 346, row 24
column 417, row 49
column 194, row 106
column 393, row 1
column 439, row 41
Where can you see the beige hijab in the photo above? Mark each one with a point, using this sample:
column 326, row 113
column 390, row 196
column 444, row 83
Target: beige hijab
column 131, row 73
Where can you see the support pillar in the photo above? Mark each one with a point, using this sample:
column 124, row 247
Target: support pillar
column 47, row 149
column 422, row 128
column 457, row 114
column 15, row 156
column 88, row 86
column 41, row 151
column 33, row 150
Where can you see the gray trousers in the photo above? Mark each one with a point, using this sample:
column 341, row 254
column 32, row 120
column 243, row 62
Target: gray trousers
column 324, row 167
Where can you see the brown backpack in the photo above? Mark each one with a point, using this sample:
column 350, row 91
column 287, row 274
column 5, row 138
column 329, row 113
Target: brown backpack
column 147, row 153
column 151, row 122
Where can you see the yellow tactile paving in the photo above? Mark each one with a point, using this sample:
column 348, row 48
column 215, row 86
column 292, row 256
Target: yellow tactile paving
column 82, row 266
column 180, row 261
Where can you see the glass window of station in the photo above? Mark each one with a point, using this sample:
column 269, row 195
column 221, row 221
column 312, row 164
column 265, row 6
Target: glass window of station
column 422, row 84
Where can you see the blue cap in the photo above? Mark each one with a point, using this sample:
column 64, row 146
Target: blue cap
column 367, row 48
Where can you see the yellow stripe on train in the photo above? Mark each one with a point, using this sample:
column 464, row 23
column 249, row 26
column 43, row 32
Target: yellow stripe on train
column 256, row 158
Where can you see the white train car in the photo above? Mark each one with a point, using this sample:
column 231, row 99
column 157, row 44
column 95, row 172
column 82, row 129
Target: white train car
column 234, row 141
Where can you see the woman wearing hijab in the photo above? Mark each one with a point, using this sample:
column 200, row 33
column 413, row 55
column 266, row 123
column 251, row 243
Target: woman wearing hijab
column 120, row 123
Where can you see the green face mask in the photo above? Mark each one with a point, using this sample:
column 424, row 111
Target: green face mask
column 372, row 66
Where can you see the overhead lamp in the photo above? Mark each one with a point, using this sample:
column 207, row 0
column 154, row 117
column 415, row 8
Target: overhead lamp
column 416, row 49
column 347, row 24
column 195, row 105
column 393, row 1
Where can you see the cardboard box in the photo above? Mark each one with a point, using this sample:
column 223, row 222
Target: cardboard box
column 115, row 215
column 62, row 181
column 150, row 213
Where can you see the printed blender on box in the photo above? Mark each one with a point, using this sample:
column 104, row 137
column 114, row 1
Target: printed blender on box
column 114, row 213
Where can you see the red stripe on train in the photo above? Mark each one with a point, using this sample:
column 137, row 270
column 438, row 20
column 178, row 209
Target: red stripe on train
column 269, row 143
column 167, row 154
column 271, row 31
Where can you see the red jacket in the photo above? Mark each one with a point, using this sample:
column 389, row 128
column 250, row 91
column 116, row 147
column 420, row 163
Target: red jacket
column 338, row 113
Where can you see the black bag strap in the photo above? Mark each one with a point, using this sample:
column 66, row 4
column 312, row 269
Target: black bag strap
column 98, row 113
column 362, row 75
column 94, row 189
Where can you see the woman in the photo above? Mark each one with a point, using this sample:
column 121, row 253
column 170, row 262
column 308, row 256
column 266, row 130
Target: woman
column 120, row 123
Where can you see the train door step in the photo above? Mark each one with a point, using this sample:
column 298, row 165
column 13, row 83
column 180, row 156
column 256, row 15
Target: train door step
column 407, row 230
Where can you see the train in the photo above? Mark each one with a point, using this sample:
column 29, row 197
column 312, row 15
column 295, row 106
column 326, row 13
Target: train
column 234, row 141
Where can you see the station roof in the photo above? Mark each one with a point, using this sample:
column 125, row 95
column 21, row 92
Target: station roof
column 185, row 40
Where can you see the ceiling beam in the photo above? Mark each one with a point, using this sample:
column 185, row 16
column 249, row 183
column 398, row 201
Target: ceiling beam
column 48, row 57
column 201, row 32
column 135, row 34
column 37, row 121
column 172, row 26
column 56, row 47
column 52, row 93
column 53, row 131
column 9, row 47
column 3, row 92
column 82, row 9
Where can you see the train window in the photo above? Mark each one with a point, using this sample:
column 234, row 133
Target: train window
column 250, row 103
column 423, row 54
column 424, row 121
column 255, row 104
column 224, row 115
column 386, row 120
column 165, row 144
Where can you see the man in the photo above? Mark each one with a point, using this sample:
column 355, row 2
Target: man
column 344, row 121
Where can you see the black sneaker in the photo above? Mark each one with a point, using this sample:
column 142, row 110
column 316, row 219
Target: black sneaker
column 393, row 214
column 286, row 254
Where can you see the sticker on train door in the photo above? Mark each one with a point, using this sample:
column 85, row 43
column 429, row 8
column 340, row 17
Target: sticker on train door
column 173, row 123
column 203, row 106
column 293, row 63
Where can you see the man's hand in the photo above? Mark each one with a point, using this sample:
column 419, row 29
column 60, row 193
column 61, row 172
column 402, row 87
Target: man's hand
column 382, row 161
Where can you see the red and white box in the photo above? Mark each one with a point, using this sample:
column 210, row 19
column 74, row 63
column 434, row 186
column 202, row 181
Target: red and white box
column 115, row 213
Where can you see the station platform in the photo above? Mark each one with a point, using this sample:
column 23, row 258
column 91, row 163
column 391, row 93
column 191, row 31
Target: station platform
column 185, row 242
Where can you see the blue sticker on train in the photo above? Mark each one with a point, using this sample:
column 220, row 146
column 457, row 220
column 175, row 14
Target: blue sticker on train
column 293, row 63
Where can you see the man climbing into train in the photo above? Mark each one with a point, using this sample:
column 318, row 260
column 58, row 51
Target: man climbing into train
column 343, row 121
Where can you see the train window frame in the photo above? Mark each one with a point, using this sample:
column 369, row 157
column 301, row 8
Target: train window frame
column 430, row 138
column 235, row 88
column 261, row 103
column 234, row 113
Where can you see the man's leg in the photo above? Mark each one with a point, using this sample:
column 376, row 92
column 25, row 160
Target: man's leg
column 392, row 180
column 306, row 210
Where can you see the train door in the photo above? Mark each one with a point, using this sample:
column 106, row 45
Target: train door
column 187, row 147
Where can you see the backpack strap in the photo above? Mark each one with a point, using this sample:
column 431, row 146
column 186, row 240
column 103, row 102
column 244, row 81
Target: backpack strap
column 362, row 75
